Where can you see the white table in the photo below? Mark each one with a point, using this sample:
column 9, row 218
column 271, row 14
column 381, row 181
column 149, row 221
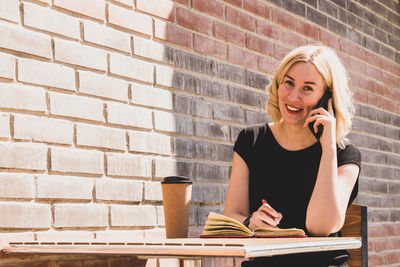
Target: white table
column 186, row 247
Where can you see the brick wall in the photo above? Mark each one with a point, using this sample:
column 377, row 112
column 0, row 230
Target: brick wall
column 100, row 99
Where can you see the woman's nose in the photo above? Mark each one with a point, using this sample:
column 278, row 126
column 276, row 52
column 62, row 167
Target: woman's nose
column 295, row 94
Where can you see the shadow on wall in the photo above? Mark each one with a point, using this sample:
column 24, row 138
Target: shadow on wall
column 212, row 101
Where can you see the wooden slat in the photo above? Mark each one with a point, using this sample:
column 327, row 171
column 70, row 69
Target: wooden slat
column 355, row 225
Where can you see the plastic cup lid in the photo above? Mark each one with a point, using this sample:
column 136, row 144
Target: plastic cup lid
column 176, row 180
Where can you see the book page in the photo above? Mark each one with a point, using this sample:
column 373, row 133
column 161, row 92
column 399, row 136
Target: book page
column 279, row 232
column 218, row 224
column 224, row 226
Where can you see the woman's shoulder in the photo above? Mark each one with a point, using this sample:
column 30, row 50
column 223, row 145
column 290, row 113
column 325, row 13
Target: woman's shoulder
column 349, row 149
column 251, row 134
column 349, row 154
column 256, row 129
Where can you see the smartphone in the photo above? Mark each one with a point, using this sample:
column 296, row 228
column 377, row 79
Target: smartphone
column 323, row 102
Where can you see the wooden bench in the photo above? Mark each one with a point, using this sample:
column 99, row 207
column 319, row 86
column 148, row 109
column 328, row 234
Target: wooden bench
column 355, row 225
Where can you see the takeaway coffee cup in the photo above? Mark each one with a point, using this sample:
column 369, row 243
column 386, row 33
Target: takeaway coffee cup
column 177, row 192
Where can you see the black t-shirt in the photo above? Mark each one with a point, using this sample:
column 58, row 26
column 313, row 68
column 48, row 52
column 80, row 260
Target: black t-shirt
column 286, row 178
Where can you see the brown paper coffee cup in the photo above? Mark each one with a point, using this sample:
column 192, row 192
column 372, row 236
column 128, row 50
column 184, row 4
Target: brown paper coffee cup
column 177, row 193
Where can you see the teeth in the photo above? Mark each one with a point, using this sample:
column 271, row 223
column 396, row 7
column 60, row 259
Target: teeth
column 292, row 108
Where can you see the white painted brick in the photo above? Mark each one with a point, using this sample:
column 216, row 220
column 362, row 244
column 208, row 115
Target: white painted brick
column 23, row 156
column 149, row 143
column 80, row 215
column 125, row 2
column 165, row 167
column 22, row 97
column 103, row 86
column 119, row 190
column 131, row 68
column 49, row 20
column 64, row 187
column 149, row 49
column 164, row 121
column 76, row 106
column 25, row 215
column 18, row 39
column 43, row 129
column 105, row 36
column 4, row 125
column 164, row 75
column 160, row 215
column 16, row 186
column 150, row 96
column 129, row 19
column 91, row 8
column 153, row 262
column 125, row 215
column 7, row 66
column 128, row 165
column 48, row 74
column 45, row 1
column 9, row 10
column 124, row 114
column 174, row 262
column 81, row 55
column 152, row 191
column 99, row 136
column 77, row 160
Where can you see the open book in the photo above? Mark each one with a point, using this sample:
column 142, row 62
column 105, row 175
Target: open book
column 222, row 226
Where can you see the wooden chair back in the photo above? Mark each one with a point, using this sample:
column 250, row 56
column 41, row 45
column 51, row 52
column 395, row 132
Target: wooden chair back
column 355, row 225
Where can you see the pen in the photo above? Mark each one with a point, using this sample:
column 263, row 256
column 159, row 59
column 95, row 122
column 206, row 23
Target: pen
column 264, row 202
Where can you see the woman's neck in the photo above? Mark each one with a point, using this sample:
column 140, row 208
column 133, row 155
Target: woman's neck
column 292, row 137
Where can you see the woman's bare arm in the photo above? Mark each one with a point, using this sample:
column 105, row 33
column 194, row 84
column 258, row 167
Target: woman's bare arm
column 237, row 199
column 328, row 204
column 326, row 210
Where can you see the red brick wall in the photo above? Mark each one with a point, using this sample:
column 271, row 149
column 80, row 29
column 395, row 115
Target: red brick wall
column 101, row 99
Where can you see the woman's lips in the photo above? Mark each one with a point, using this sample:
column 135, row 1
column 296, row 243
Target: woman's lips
column 292, row 109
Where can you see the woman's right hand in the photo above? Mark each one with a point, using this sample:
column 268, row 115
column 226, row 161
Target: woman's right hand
column 265, row 216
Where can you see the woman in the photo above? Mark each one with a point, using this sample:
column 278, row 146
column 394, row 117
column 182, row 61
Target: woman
column 307, row 183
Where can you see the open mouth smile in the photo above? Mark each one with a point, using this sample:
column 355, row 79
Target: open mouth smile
column 293, row 109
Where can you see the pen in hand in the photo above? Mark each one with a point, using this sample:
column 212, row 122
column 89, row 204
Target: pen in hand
column 264, row 202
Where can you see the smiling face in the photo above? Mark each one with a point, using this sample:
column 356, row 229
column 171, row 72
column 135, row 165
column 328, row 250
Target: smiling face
column 299, row 92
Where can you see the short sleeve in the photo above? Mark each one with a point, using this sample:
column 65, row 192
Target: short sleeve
column 243, row 145
column 350, row 154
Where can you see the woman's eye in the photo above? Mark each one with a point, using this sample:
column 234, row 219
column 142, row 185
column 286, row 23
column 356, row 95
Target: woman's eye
column 308, row 88
column 288, row 82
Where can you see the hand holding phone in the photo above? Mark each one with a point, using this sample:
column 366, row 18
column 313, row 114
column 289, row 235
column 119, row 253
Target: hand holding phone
column 323, row 102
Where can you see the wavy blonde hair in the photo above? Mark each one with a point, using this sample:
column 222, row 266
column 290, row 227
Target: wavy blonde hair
column 332, row 71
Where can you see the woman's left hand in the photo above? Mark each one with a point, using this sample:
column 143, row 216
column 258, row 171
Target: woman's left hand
column 327, row 119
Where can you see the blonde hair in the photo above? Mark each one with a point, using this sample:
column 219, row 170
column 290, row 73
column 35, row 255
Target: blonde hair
column 332, row 71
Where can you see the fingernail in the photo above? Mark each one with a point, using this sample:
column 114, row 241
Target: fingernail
column 276, row 220
column 265, row 203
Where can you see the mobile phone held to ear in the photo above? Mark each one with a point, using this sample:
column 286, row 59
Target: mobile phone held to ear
column 323, row 102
